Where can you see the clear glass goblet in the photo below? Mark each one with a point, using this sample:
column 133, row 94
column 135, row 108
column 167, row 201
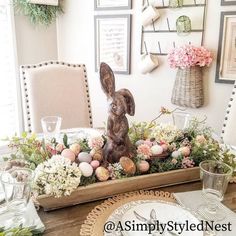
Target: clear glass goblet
column 51, row 126
column 181, row 119
column 215, row 176
column 16, row 185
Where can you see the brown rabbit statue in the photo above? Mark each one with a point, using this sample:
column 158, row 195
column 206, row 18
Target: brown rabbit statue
column 120, row 102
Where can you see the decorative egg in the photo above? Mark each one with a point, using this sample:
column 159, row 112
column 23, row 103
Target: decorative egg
column 128, row 165
column 84, row 157
column 143, row 166
column 97, row 155
column 67, row 153
column 75, row 147
column 102, row 173
column 60, row 147
column 139, row 142
column 185, row 151
column 176, row 154
column 165, row 147
column 95, row 164
column 156, row 150
column 86, row 169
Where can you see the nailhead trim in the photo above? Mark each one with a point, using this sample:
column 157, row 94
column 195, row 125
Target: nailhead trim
column 55, row 63
column 228, row 110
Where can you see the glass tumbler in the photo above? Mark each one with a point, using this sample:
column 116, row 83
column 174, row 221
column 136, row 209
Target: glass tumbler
column 181, row 119
column 51, row 126
column 183, row 25
column 215, row 176
column 175, row 3
column 16, row 185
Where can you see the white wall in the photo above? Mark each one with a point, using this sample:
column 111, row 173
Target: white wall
column 76, row 44
column 34, row 43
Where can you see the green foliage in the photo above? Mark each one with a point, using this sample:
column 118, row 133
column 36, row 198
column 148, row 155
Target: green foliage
column 84, row 145
column 20, row 231
column 161, row 165
column 140, row 131
column 37, row 13
column 84, row 181
column 29, row 148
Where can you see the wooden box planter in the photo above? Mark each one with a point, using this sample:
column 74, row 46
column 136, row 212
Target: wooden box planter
column 109, row 188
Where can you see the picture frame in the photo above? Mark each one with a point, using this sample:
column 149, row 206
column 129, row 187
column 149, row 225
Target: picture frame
column 226, row 57
column 112, row 42
column 103, row 5
column 228, row 2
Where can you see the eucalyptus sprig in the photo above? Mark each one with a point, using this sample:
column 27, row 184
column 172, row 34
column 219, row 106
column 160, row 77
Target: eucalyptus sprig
column 38, row 14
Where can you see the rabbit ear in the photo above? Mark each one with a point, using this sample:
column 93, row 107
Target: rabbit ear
column 129, row 101
column 107, row 79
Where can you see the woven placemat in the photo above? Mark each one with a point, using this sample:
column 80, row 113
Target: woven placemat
column 93, row 225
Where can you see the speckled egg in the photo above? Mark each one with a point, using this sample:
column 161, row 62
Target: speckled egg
column 143, row 166
column 102, row 173
column 139, row 142
column 75, row 147
column 176, row 154
column 128, row 165
column 156, row 150
column 95, row 164
column 86, row 169
column 185, row 151
column 67, row 153
column 97, row 154
column 84, row 157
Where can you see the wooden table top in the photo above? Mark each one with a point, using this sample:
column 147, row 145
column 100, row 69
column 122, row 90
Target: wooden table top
column 68, row 221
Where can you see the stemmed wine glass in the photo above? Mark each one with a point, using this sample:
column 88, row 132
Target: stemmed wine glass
column 16, row 185
column 215, row 176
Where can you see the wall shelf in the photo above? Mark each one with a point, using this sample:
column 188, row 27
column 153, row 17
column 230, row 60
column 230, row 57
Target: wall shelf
column 156, row 32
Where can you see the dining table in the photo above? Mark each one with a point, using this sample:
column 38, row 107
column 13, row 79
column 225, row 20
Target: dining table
column 68, row 221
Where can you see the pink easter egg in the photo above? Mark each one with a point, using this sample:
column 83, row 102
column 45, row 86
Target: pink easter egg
column 95, row 164
column 67, row 153
column 143, row 166
column 185, row 151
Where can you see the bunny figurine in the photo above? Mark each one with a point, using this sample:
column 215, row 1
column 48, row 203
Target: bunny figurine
column 119, row 102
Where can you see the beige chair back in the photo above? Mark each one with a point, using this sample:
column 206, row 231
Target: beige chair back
column 229, row 127
column 55, row 89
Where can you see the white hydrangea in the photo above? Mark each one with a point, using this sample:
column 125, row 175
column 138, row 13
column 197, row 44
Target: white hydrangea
column 57, row 176
column 165, row 132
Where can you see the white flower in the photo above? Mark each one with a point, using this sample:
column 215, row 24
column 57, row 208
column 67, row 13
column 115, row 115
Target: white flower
column 57, row 176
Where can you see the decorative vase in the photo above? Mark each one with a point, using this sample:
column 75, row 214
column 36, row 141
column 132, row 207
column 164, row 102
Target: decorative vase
column 188, row 88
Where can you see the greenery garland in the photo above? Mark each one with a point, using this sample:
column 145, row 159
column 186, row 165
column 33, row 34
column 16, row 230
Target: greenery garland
column 37, row 13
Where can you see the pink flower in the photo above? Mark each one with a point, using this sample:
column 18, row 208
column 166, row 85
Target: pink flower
column 96, row 142
column 187, row 163
column 51, row 150
column 144, row 150
column 188, row 55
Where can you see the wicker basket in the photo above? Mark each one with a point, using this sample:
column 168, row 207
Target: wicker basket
column 188, row 88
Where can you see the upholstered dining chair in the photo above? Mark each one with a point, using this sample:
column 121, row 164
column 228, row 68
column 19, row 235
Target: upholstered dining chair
column 55, row 89
column 229, row 127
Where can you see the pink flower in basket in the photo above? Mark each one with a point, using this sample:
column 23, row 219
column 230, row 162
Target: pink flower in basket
column 144, row 150
column 189, row 55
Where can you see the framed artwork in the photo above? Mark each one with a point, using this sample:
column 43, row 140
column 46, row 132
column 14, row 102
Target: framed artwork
column 112, row 42
column 112, row 5
column 228, row 2
column 226, row 58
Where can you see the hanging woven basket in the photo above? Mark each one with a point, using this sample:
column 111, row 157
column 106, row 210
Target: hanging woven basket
column 188, row 88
